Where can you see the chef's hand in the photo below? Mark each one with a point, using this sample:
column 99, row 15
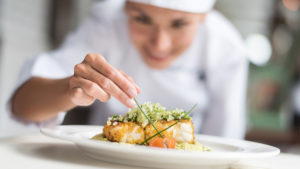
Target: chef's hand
column 94, row 78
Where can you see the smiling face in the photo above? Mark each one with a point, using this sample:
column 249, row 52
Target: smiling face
column 159, row 34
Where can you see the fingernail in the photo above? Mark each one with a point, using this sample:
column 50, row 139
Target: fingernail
column 138, row 90
column 132, row 92
column 130, row 103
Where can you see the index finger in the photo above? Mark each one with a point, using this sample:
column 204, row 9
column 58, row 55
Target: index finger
column 98, row 63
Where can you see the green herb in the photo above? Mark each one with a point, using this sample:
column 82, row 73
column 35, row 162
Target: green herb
column 187, row 113
column 117, row 118
column 147, row 118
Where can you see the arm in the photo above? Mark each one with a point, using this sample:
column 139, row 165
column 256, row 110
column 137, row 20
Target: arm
column 66, row 82
column 226, row 114
column 39, row 99
column 227, row 72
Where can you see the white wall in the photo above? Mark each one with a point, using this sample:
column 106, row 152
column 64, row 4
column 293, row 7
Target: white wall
column 248, row 16
column 24, row 35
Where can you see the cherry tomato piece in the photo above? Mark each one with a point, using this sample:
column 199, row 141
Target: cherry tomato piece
column 167, row 142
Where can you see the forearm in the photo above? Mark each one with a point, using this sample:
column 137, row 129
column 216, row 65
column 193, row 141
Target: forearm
column 40, row 99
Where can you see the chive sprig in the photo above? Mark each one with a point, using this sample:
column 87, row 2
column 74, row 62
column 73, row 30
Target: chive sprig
column 148, row 118
column 159, row 132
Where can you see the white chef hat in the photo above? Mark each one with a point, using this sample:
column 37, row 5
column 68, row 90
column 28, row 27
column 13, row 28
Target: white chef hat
column 194, row 6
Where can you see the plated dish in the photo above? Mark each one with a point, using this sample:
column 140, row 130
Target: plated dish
column 152, row 125
column 128, row 141
column 223, row 151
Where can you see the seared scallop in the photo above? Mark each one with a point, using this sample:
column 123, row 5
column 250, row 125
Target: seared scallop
column 124, row 132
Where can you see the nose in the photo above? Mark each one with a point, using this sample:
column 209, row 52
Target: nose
column 161, row 40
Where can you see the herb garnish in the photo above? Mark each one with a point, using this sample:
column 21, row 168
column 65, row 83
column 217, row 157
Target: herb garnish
column 148, row 118
column 159, row 132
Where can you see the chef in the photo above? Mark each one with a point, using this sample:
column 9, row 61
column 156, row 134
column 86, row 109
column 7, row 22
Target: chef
column 174, row 52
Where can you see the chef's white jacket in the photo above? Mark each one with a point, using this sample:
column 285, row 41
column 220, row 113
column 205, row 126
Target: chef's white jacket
column 212, row 72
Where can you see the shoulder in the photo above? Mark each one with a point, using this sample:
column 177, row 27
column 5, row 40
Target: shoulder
column 103, row 27
column 226, row 46
column 107, row 11
column 110, row 29
column 99, row 25
column 110, row 16
column 222, row 29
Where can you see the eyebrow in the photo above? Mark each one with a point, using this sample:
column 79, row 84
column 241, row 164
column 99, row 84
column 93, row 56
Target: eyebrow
column 182, row 19
column 137, row 9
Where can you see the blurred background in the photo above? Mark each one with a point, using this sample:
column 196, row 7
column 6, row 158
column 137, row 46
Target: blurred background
column 271, row 29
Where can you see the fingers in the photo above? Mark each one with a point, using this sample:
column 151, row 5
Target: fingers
column 98, row 79
column 78, row 97
column 85, row 71
column 90, row 88
column 131, row 80
column 98, row 63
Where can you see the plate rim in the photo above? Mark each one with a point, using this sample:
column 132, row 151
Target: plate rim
column 50, row 131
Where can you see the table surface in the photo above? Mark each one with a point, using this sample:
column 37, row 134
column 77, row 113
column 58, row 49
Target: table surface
column 38, row 151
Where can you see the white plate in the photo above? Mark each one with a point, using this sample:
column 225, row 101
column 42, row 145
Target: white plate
column 224, row 151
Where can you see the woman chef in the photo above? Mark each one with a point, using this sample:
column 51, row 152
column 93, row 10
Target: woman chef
column 174, row 52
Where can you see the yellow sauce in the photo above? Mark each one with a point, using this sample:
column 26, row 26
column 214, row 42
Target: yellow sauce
column 99, row 137
column 192, row 147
